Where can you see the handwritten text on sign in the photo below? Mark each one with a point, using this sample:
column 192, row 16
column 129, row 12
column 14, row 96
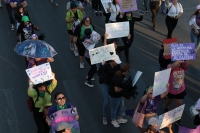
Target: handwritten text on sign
column 161, row 79
column 65, row 115
column 128, row 5
column 106, row 4
column 171, row 116
column 40, row 74
column 115, row 30
column 185, row 51
column 104, row 53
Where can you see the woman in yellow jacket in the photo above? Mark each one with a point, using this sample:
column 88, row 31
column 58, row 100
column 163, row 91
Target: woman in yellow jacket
column 41, row 95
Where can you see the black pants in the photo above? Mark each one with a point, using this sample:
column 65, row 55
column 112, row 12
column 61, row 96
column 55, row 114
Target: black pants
column 40, row 121
column 97, row 5
column 107, row 15
column 127, row 45
column 155, row 11
column 93, row 69
column 9, row 10
column 171, row 24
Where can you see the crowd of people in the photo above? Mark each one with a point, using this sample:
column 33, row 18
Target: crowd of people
column 111, row 73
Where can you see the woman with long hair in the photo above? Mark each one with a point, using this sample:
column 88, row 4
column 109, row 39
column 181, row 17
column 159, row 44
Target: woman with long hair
column 114, row 10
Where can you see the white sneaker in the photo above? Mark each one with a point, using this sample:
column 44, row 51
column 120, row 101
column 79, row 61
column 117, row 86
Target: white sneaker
column 115, row 123
column 89, row 84
column 71, row 46
column 81, row 64
column 91, row 78
column 121, row 120
column 76, row 52
column 105, row 122
column 0, row 5
column 12, row 27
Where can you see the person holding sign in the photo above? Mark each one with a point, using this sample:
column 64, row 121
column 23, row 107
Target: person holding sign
column 195, row 27
column 177, row 85
column 153, row 125
column 114, row 10
column 41, row 95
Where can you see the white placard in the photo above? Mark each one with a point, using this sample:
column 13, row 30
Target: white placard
column 137, row 76
column 171, row 116
column 94, row 39
column 115, row 30
column 104, row 53
column 40, row 74
column 106, row 4
column 161, row 79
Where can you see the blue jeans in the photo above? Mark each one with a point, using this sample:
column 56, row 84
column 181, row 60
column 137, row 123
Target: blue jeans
column 146, row 4
column 116, row 107
column 195, row 39
column 163, row 6
column 105, row 99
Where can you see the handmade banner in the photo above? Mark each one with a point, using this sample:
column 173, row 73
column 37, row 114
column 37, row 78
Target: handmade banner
column 115, row 30
column 128, row 5
column 161, row 79
column 94, row 39
column 137, row 76
column 106, row 4
column 104, row 53
column 65, row 115
column 40, row 74
column 171, row 116
column 188, row 130
column 166, row 46
column 183, row 51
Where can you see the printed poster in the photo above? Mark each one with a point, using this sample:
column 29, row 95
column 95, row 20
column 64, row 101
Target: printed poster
column 65, row 115
column 128, row 5
column 103, row 53
column 116, row 30
column 40, row 74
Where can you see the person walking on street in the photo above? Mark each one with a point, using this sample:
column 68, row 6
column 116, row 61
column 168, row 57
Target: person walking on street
column 175, row 10
column 97, row 7
column 114, row 10
column 146, row 3
column 10, row 14
column 195, row 27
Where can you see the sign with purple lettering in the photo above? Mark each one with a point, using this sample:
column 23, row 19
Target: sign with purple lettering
column 188, row 130
column 183, row 51
column 40, row 74
column 128, row 5
column 65, row 115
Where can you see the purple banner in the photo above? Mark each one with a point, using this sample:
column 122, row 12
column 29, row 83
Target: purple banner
column 187, row 130
column 183, row 51
column 65, row 115
column 128, row 5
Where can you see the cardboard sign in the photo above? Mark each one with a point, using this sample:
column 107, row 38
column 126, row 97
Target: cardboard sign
column 188, row 130
column 106, row 4
column 171, row 116
column 137, row 76
column 116, row 30
column 166, row 46
column 183, row 51
column 104, row 53
column 65, row 115
column 40, row 74
column 161, row 79
column 128, row 5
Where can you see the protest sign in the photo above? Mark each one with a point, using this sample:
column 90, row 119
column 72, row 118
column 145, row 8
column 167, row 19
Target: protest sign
column 188, row 130
column 40, row 74
column 166, row 46
column 115, row 30
column 137, row 76
column 183, row 51
column 77, row 22
column 161, row 79
column 128, row 5
column 94, row 39
column 65, row 115
column 103, row 53
column 106, row 4
column 171, row 116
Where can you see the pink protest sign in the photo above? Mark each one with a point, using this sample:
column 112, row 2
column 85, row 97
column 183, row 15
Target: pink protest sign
column 188, row 130
column 65, row 115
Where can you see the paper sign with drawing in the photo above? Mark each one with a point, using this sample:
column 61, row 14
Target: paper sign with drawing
column 128, row 5
column 161, row 79
column 40, row 74
column 115, row 30
column 94, row 39
column 103, row 53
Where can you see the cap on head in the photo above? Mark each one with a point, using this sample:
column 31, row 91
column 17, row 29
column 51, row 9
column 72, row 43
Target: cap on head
column 63, row 125
column 198, row 7
column 153, row 121
column 73, row 5
column 25, row 19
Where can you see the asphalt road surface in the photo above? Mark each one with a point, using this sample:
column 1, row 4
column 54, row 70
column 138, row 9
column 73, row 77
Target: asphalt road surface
column 14, row 113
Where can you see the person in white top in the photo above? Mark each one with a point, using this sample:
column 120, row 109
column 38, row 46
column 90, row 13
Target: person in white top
column 195, row 27
column 175, row 10
column 114, row 10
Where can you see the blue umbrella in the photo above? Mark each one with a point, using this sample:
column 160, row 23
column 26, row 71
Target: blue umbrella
column 35, row 49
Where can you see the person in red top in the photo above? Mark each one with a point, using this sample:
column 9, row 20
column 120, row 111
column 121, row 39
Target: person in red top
column 177, row 85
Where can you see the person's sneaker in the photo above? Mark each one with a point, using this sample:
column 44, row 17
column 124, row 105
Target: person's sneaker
column 115, row 123
column 123, row 114
column 100, row 14
column 81, row 64
column 72, row 46
column 0, row 5
column 121, row 120
column 105, row 122
column 91, row 78
column 12, row 27
column 89, row 84
column 76, row 52
column 96, row 13
column 165, row 109
column 146, row 11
